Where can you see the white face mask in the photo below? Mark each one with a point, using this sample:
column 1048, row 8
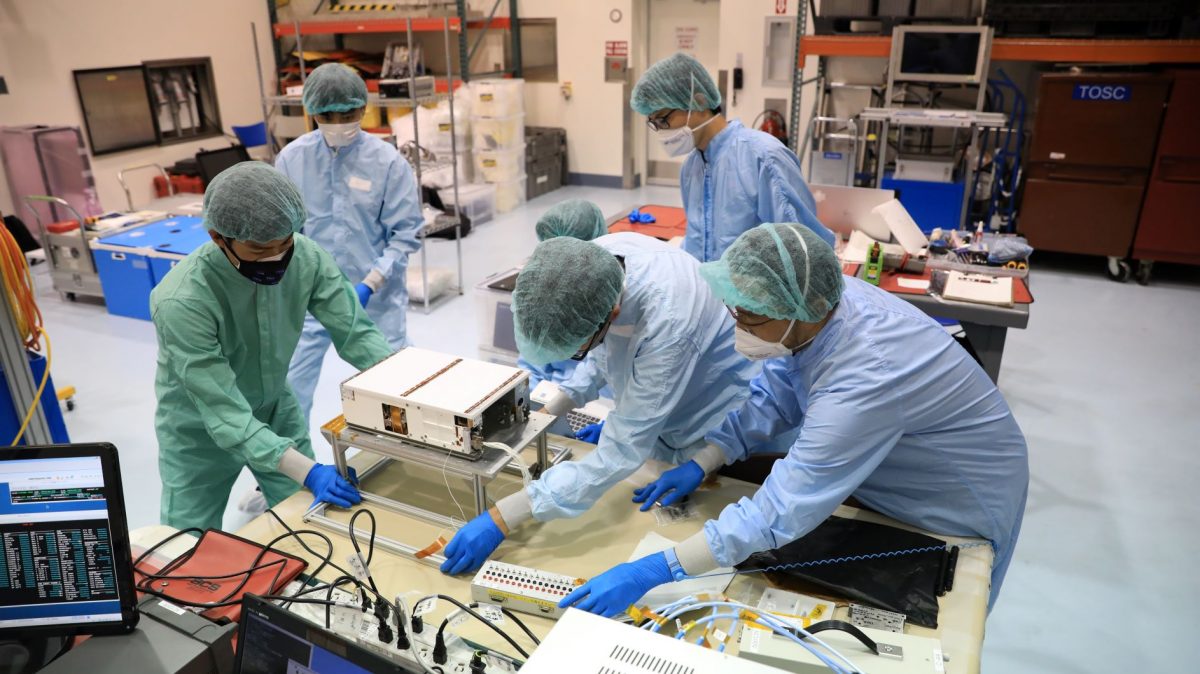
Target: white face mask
column 678, row 142
column 339, row 135
column 756, row 348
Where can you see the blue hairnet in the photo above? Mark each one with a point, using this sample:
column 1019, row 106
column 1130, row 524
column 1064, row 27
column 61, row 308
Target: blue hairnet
column 576, row 218
column 677, row 82
column 334, row 87
column 252, row 201
column 566, row 290
column 778, row 270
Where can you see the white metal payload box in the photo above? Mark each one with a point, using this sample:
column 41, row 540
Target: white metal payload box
column 436, row 399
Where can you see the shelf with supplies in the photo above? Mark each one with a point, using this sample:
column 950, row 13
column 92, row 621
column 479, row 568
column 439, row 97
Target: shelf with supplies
column 352, row 27
column 1022, row 49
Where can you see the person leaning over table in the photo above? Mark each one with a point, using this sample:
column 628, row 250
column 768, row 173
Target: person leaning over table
column 228, row 318
column 890, row 410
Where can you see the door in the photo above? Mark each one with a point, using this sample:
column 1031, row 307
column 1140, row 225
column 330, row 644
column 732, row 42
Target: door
column 689, row 26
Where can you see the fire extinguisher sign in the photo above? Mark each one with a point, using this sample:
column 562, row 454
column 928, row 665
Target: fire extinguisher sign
column 1117, row 93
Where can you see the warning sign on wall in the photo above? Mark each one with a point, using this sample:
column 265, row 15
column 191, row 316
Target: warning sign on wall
column 616, row 48
column 685, row 37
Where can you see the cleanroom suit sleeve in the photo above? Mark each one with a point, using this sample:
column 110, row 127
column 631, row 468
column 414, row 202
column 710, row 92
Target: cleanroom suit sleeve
column 628, row 439
column 784, row 197
column 846, row 435
column 770, row 410
column 188, row 335
column 401, row 215
column 335, row 305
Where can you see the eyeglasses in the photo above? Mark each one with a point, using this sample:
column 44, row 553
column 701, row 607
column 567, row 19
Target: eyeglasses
column 597, row 338
column 739, row 318
column 660, row 122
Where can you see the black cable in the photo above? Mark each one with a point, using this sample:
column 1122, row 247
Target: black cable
column 370, row 544
column 512, row 616
column 483, row 620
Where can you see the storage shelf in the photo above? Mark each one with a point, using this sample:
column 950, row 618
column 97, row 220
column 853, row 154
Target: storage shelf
column 1023, row 49
column 372, row 99
column 350, row 27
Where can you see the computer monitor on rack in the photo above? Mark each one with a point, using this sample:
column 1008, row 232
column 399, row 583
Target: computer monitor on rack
column 945, row 54
column 212, row 162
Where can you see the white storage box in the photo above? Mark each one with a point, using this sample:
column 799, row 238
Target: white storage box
column 497, row 166
column 498, row 133
column 497, row 340
column 437, row 400
column 478, row 202
column 497, row 98
column 439, row 136
column 510, row 194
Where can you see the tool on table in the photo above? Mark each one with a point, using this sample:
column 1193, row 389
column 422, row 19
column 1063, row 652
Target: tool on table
column 874, row 264
column 520, row 588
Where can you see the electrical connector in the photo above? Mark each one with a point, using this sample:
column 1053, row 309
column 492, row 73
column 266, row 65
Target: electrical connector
column 385, row 633
column 477, row 663
column 439, row 650
column 382, row 611
column 418, row 625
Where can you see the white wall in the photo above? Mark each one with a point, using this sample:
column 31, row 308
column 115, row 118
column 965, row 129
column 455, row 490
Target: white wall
column 593, row 115
column 665, row 17
column 42, row 41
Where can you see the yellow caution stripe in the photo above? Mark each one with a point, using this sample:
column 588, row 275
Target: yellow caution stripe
column 369, row 7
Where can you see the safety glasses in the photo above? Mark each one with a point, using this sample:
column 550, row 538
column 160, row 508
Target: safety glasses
column 597, row 338
column 742, row 319
column 660, row 122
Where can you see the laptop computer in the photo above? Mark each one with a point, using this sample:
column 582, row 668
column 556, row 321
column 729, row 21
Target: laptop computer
column 65, row 556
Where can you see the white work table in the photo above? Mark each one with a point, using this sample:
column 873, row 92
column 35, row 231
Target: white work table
column 584, row 547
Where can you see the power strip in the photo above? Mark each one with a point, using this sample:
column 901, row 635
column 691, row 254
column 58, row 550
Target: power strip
column 363, row 627
column 520, row 588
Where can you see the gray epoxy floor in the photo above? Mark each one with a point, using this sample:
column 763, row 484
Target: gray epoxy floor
column 1105, row 383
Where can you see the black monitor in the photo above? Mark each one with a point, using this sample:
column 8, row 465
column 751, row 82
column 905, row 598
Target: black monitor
column 64, row 563
column 947, row 54
column 212, row 162
column 272, row 639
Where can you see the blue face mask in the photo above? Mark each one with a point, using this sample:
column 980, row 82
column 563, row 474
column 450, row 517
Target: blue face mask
column 267, row 272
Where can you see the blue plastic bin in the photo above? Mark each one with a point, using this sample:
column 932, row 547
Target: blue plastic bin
column 931, row 205
column 124, row 263
column 251, row 135
column 11, row 418
column 180, row 240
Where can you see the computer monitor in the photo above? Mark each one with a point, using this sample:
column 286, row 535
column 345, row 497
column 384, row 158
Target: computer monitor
column 212, row 162
column 65, row 563
column 272, row 640
column 944, row 54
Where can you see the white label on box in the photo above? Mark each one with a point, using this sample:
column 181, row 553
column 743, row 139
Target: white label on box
column 177, row 610
column 755, row 640
column 1058, row 155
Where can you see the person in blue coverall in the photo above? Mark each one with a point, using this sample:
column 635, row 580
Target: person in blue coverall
column 583, row 220
column 890, row 409
column 734, row 178
column 637, row 308
column 363, row 208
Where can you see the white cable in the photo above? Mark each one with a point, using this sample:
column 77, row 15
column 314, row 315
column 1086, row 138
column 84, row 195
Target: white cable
column 446, row 481
column 526, row 476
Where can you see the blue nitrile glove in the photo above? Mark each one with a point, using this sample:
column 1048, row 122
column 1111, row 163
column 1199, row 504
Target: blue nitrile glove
column 613, row 591
column 679, row 481
column 472, row 545
column 364, row 293
column 590, row 433
column 329, row 486
column 639, row 218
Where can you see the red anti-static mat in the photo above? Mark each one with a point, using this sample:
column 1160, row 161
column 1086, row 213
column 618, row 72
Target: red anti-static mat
column 197, row 574
column 671, row 222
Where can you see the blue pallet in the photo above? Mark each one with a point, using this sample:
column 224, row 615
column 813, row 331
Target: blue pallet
column 931, row 205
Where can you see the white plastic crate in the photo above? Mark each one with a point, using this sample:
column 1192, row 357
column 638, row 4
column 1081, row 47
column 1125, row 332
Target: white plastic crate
column 478, row 201
column 497, row 166
column 497, row 98
column 510, row 194
column 498, row 133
